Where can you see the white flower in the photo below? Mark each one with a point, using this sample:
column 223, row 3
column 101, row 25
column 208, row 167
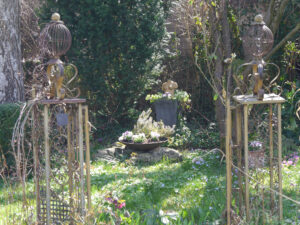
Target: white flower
column 154, row 135
column 126, row 136
column 139, row 138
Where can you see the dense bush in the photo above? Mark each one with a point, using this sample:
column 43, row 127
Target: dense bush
column 115, row 44
column 8, row 116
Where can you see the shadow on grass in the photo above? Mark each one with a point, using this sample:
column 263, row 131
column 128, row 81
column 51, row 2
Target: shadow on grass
column 13, row 194
column 150, row 190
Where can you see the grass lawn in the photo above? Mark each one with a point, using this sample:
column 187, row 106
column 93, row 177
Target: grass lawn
column 189, row 192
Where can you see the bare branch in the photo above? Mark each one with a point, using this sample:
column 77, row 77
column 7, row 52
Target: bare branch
column 279, row 14
column 284, row 40
column 270, row 13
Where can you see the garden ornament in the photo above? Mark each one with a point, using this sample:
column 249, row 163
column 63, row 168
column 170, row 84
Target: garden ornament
column 169, row 87
column 258, row 42
column 55, row 40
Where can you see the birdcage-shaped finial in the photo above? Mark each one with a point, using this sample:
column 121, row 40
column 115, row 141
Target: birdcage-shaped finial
column 55, row 39
column 259, row 39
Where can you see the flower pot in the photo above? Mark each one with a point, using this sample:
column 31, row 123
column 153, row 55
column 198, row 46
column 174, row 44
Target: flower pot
column 256, row 158
column 166, row 110
column 144, row 146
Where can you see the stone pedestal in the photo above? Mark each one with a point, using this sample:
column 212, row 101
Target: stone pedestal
column 154, row 155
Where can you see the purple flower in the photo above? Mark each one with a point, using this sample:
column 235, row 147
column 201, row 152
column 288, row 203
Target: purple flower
column 167, row 94
column 256, row 144
column 121, row 205
column 109, row 199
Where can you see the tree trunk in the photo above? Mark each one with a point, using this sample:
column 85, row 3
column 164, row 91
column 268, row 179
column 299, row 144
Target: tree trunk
column 218, row 76
column 11, row 73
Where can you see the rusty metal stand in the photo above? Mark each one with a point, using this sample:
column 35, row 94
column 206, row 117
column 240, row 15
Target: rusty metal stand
column 245, row 101
column 74, row 137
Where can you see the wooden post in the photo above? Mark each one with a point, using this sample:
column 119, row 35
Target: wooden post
column 47, row 156
column 87, row 143
column 239, row 152
column 246, row 162
column 228, row 159
column 271, row 156
column 81, row 159
column 279, row 163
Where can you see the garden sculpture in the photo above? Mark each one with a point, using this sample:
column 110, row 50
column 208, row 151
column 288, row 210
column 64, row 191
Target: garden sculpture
column 64, row 120
column 169, row 87
column 55, row 40
column 258, row 42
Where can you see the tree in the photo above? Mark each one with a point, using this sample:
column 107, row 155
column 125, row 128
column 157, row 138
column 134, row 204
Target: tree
column 11, row 73
column 217, row 34
column 114, row 43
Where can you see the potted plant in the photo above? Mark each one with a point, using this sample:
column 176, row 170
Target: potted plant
column 147, row 133
column 256, row 154
column 166, row 104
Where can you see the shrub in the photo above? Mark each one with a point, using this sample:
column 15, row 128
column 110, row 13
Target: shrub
column 114, row 45
column 8, row 116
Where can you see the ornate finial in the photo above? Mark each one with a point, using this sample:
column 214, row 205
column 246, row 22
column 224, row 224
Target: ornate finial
column 169, row 87
column 55, row 17
column 259, row 18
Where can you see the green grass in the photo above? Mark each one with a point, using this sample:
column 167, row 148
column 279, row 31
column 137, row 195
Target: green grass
column 179, row 192
column 195, row 193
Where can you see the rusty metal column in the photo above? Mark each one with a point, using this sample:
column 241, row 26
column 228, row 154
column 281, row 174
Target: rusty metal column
column 87, row 143
column 70, row 163
column 271, row 156
column 279, row 163
column 47, row 155
column 246, row 162
column 239, row 149
column 81, row 159
column 228, row 160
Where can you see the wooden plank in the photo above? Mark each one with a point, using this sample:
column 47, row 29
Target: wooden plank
column 87, row 143
column 246, row 162
column 250, row 99
column 47, row 156
column 280, row 163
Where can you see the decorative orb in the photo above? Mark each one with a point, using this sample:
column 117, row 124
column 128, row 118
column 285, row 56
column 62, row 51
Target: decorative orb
column 55, row 17
column 55, row 39
column 259, row 38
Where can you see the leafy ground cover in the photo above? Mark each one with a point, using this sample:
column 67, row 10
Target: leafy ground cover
column 188, row 192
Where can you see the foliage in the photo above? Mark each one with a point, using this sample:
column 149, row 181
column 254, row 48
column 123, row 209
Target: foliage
column 188, row 136
column 146, row 129
column 115, row 46
column 8, row 116
column 291, row 125
column 181, row 96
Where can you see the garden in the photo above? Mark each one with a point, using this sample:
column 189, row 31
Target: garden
column 181, row 112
